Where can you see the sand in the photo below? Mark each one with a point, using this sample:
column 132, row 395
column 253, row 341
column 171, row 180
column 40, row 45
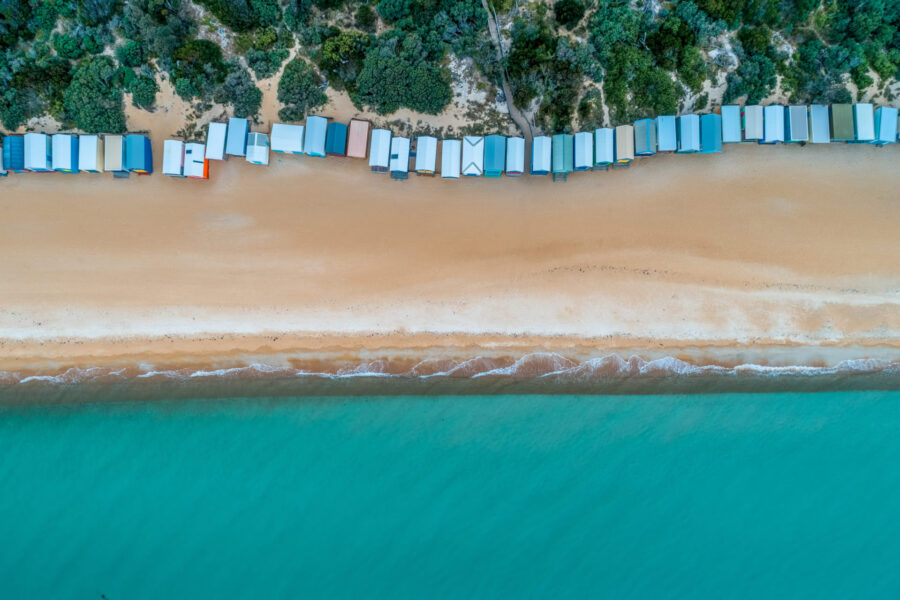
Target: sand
column 774, row 255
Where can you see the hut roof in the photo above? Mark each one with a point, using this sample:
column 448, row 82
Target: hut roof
column 563, row 153
column 426, row 154
column 604, row 146
column 195, row 164
column 773, row 116
column 731, row 123
column 287, row 138
column 236, row 141
column 753, row 122
column 399, row 155
column 624, row 143
column 65, row 151
column 541, row 152
column 885, row 125
column 842, row 122
column 515, row 155
column 336, row 139
column 215, row 141
column 380, row 149
column 710, row 133
column 173, row 158
column 584, row 151
column 358, row 138
column 450, row 157
column 473, row 155
column 316, row 132
column 797, row 126
column 863, row 122
column 645, row 136
column 113, row 153
column 819, row 130
column 258, row 148
column 494, row 154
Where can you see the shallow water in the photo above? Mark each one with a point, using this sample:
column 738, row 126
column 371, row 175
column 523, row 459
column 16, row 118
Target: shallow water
column 491, row 496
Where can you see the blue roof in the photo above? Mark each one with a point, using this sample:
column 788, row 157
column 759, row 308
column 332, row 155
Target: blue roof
column 666, row 134
column 336, row 139
column 689, row 133
column 236, row 138
column 885, row 125
column 14, row 153
column 731, row 123
column 645, row 137
column 710, row 133
column 819, row 126
column 138, row 153
column 494, row 153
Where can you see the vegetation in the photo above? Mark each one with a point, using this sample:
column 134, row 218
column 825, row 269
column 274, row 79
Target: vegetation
column 299, row 91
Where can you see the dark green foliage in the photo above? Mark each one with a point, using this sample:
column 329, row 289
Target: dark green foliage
column 93, row 101
column 568, row 12
column 299, row 91
column 671, row 40
column 342, row 56
column 200, row 64
column 244, row 15
column 265, row 64
column 143, row 91
column 365, row 17
column 130, row 55
column 241, row 92
column 67, row 46
column 36, row 88
column 754, row 78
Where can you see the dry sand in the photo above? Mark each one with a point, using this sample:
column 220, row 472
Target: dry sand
column 779, row 255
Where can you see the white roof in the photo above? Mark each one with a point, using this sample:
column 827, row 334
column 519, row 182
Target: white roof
column 689, row 132
column 89, row 155
column 36, row 151
column 541, row 152
column 515, row 155
column 173, row 158
column 194, row 157
column 774, row 123
column 62, row 155
column 426, row 154
column 584, row 150
column 604, row 146
column 473, row 155
column 399, row 154
column 287, row 138
column 819, row 127
column 450, row 156
column 215, row 141
column 380, row 148
column 731, row 123
column 753, row 122
column 887, row 124
column 258, row 148
column 864, row 122
column 314, row 141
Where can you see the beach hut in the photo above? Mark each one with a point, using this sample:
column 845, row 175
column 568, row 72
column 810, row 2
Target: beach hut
column 863, row 123
column 752, row 117
column 842, row 122
column 380, row 151
column 90, row 153
column 114, row 153
column 358, row 138
column 399, row 158
column 773, row 124
column 196, row 164
column 236, row 140
column 138, row 154
column 796, row 124
column 885, row 125
column 316, row 132
column 336, row 139
column 584, row 151
column 14, row 153
column 563, row 156
column 37, row 152
column 688, row 134
column 426, row 155
column 2, row 168
column 645, row 137
column 604, row 148
column 624, row 135
column 216, row 134
column 819, row 129
column 258, row 148
column 473, row 156
column 451, row 151
column 64, row 152
column 173, row 158
column 731, row 124
column 666, row 133
column 494, row 155
column 710, row 133
column 287, row 139
column 541, row 155
column 515, row 156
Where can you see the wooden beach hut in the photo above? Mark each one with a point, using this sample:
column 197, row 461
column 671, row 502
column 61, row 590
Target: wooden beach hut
column 38, row 149
column 604, row 148
column 3, row 172
column 666, row 133
column 842, row 123
column 196, row 165
column 399, row 158
column 380, row 151
column 138, row 154
column 287, row 139
column 584, row 151
column 773, row 124
column 885, row 125
column 114, row 153
column 236, row 141
column 336, row 139
column 14, row 153
column 426, row 155
column 494, row 155
column 796, row 124
column 515, row 156
column 173, row 158
column 90, row 153
column 624, row 135
column 216, row 134
column 563, row 156
column 258, row 148
column 541, row 155
column 64, row 152
column 473, row 156
column 863, row 123
column 731, row 124
column 752, row 118
column 710, row 133
column 358, row 138
column 645, row 137
column 688, row 134
column 451, row 153
column 316, row 132
column 819, row 129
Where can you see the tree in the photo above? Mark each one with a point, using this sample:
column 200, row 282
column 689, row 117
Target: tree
column 241, row 92
column 299, row 90
column 130, row 55
column 754, row 77
column 342, row 58
column 200, row 63
column 365, row 17
column 143, row 91
column 265, row 64
column 93, row 101
column 568, row 12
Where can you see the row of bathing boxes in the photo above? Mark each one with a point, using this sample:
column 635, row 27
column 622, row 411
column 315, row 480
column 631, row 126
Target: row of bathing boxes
column 475, row 156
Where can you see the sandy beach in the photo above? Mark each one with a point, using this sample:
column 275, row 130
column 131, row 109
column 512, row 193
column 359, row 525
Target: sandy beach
column 772, row 255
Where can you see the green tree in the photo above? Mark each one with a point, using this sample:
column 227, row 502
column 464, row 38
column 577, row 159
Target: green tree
column 93, row 101
column 568, row 13
column 143, row 91
column 299, row 90
column 241, row 92
column 130, row 54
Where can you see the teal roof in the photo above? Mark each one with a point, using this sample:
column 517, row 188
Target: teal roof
column 494, row 154
column 563, row 153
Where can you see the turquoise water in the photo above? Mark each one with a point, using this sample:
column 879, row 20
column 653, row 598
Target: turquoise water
column 502, row 496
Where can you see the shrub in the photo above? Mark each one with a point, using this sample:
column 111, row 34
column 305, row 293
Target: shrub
column 143, row 91
column 568, row 13
column 94, row 99
column 299, row 90
column 241, row 92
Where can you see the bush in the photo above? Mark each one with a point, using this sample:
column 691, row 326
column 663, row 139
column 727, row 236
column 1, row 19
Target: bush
column 754, row 77
column 568, row 13
column 265, row 64
column 93, row 101
column 130, row 55
column 200, row 63
column 365, row 17
column 143, row 92
column 241, row 92
column 244, row 15
column 299, row 91
column 342, row 57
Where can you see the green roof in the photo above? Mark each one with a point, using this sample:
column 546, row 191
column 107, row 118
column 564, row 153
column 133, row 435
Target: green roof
column 842, row 122
column 563, row 153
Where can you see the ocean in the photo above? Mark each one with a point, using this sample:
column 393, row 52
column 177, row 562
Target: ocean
column 500, row 496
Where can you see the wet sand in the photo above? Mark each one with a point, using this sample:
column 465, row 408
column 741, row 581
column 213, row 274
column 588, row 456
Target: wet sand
column 771, row 255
